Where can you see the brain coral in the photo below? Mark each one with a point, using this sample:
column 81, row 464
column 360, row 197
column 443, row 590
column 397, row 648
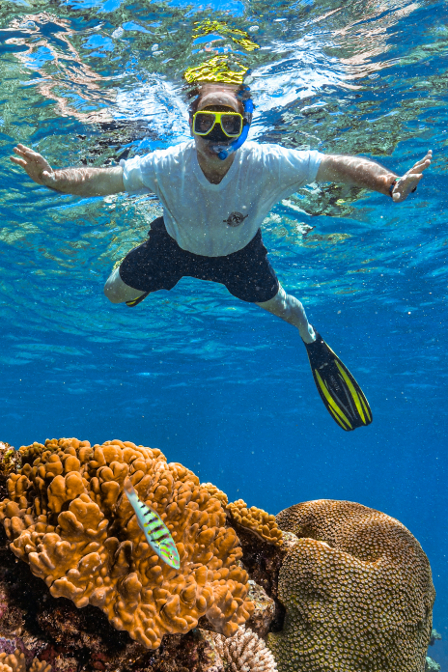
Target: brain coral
column 68, row 518
column 357, row 589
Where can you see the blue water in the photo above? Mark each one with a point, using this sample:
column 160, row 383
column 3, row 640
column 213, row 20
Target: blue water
column 216, row 384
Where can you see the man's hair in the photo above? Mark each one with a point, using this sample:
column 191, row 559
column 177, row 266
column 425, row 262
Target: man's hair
column 194, row 94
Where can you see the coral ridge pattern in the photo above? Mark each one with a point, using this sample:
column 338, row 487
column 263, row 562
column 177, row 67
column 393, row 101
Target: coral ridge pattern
column 67, row 517
column 358, row 592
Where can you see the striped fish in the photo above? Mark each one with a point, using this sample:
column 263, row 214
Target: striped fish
column 156, row 532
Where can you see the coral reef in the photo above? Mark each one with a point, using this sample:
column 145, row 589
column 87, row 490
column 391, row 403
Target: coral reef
column 431, row 665
column 264, row 613
column 216, row 492
column 245, row 652
column 261, row 523
column 82, row 640
column 10, row 462
column 435, row 636
column 15, row 662
column 357, row 589
column 10, row 459
column 67, row 517
column 264, row 548
column 333, row 585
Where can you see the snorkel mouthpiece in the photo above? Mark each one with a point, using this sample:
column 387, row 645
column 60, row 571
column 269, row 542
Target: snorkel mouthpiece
column 222, row 152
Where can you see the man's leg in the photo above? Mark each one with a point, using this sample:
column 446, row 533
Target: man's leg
column 118, row 291
column 290, row 309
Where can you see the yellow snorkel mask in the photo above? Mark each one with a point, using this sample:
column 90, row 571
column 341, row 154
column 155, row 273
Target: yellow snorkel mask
column 204, row 122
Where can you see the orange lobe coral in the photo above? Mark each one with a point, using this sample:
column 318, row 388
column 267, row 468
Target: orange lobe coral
column 68, row 518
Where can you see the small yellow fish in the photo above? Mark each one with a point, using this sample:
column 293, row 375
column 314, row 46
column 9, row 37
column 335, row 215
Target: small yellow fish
column 156, row 532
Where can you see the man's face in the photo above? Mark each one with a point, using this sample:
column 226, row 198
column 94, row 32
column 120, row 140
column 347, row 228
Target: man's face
column 216, row 98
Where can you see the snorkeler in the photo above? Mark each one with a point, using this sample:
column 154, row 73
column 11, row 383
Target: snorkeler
column 216, row 191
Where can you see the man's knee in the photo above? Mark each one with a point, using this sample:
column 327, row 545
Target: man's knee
column 285, row 306
column 278, row 301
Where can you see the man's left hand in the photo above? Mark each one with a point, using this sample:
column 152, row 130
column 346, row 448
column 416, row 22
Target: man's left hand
column 408, row 183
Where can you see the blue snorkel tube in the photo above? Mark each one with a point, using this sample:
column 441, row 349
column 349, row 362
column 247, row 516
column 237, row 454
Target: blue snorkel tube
column 223, row 151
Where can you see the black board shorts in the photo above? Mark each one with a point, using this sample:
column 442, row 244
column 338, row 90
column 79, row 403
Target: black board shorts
column 159, row 263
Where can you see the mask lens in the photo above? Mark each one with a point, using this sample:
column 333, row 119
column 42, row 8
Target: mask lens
column 232, row 124
column 203, row 123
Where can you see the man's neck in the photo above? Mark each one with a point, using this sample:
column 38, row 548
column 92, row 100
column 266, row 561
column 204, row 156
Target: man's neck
column 215, row 169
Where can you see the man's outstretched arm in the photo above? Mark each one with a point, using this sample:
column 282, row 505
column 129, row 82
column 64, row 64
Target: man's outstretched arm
column 362, row 172
column 77, row 181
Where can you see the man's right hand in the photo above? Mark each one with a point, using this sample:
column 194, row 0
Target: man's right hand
column 34, row 164
column 82, row 181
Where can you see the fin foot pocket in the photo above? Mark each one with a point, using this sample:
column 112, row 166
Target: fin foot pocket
column 139, row 299
column 338, row 389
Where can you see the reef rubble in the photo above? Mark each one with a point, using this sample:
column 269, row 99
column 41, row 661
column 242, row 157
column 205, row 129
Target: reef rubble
column 81, row 590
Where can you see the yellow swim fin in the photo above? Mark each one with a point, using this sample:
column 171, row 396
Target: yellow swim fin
column 341, row 394
column 135, row 302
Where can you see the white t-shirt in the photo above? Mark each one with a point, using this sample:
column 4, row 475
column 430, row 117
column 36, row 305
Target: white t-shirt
column 214, row 220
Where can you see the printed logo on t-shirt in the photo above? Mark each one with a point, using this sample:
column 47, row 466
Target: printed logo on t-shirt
column 235, row 219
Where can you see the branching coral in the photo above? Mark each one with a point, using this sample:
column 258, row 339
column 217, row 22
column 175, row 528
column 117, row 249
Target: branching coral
column 67, row 517
column 245, row 652
column 15, row 662
column 357, row 589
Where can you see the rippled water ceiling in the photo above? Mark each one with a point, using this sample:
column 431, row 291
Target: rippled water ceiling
column 113, row 75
